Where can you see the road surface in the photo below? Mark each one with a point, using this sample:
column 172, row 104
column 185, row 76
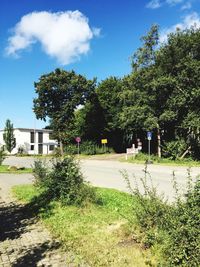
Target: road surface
column 108, row 174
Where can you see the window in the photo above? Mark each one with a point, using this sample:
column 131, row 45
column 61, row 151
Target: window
column 32, row 137
column 32, row 147
column 40, row 137
column 51, row 147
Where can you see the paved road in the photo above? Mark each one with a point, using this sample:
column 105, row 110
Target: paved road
column 107, row 174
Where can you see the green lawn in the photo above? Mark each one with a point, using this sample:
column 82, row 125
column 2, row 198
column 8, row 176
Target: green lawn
column 100, row 234
column 4, row 169
column 142, row 158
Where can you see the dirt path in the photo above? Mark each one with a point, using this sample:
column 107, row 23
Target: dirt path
column 24, row 242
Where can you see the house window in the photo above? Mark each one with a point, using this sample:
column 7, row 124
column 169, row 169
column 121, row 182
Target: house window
column 40, row 137
column 32, row 137
column 32, row 147
column 51, row 147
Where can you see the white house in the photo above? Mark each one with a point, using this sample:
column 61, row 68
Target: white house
column 32, row 141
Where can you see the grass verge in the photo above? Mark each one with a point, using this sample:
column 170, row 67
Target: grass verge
column 99, row 233
column 142, row 158
column 4, row 169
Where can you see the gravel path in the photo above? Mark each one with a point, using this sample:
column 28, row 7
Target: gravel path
column 24, row 241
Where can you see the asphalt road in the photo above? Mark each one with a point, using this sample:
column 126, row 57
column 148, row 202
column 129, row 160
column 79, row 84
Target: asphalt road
column 107, row 173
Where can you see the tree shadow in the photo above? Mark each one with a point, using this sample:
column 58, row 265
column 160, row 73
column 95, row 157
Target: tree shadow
column 14, row 217
column 34, row 254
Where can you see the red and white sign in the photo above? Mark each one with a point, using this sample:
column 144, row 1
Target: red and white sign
column 78, row 139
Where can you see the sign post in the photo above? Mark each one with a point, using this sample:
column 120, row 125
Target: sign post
column 78, row 140
column 104, row 142
column 149, row 137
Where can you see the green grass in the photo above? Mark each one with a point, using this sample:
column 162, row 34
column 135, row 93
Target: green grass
column 4, row 169
column 142, row 158
column 99, row 233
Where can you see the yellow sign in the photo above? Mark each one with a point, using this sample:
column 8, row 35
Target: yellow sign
column 104, row 141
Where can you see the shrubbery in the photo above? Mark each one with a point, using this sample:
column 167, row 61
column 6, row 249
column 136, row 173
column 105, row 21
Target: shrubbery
column 64, row 181
column 87, row 148
column 175, row 228
column 2, row 156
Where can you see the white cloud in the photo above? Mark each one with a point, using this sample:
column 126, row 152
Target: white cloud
column 186, row 6
column 190, row 20
column 174, row 2
column 153, row 4
column 63, row 35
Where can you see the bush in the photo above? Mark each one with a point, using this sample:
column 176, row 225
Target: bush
column 64, row 182
column 174, row 228
column 151, row 210
column 184, row 233
column 2, row 155
column 87, row 148
column 40, row 173
column 174, row 149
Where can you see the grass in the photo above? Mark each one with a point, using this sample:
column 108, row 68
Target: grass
column 142, row 158
column 99, row 233
column 4, row 169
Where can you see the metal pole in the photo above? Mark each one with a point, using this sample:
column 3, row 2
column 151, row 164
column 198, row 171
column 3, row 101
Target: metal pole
column 78, row 148
column 149, row 149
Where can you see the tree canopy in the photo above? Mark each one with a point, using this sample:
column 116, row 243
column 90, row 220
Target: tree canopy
column 59, row 95
column 161, row 94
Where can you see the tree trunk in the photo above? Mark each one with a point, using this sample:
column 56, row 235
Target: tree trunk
column 61, row 144
column 185, row 153
column 61, row 148
column 159, row 142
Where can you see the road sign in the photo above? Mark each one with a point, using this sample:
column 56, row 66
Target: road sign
column 78, row 139
column 104, row 141
column 149, row 135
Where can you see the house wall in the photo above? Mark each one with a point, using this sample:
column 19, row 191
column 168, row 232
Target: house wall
column 23, row 140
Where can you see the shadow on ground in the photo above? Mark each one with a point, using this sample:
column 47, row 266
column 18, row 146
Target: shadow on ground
column 35, row 254
column 17, row 220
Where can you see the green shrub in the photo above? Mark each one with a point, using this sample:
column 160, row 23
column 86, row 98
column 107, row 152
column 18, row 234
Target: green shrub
column 87, row 148
column 64, row 182
column 174, row 149
column 174, row 228
column 183, row 248
column 151, row 211
column 40, row 173
column 71, row 149
column 2, row 155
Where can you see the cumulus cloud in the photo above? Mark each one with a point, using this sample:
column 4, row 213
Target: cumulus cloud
column 154, row 4
column 191, row 20
column 63, row 35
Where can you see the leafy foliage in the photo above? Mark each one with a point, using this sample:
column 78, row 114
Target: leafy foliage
column 8, row 136
column 2, row 155
column 161, row 94
column 175, row 227
column 64, row 181
column 59, row 94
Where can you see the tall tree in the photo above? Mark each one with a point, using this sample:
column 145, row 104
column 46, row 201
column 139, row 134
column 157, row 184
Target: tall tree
column 8, row 136
column 108, row 92
column 59, row 94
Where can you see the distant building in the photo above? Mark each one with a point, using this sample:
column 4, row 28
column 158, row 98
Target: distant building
column 32, row 141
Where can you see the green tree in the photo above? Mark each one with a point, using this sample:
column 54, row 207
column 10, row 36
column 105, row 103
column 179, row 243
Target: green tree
column 108, row 92
column 8, row 136
column 59, row 94
column 162, row 93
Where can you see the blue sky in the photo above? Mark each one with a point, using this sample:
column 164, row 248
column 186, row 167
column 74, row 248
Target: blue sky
column 95, row 38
